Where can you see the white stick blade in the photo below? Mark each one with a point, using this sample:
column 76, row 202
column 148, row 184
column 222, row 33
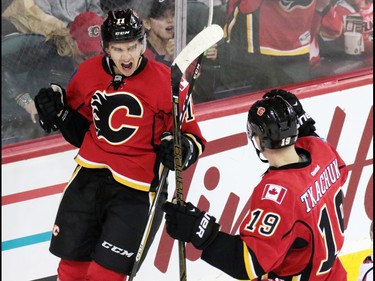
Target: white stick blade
column 200, row 43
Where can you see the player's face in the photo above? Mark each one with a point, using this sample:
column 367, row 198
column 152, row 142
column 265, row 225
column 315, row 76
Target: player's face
column 126, row 56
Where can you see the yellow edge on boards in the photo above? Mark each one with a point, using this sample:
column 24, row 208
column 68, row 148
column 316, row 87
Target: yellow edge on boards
column 353, row 261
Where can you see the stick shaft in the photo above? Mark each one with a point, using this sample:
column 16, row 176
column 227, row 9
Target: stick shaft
column 147, row 230
column 177, row 73
column 176, row 77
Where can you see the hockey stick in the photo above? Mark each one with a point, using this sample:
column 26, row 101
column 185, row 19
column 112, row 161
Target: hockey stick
column 200, row 43
column 190, row 52
column 151, row 215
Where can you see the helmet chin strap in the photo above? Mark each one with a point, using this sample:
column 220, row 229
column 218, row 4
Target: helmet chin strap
column 260, row 157
column 259, row 151
column 139, row 61
column 144, row 45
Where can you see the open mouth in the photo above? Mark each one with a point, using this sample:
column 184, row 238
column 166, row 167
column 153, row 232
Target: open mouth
column 127, row 66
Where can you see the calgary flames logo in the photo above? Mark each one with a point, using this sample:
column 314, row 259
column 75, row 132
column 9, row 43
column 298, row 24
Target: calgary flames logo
column 261, row 111
column 55, row 230
column 289, row 5
column 113, row 116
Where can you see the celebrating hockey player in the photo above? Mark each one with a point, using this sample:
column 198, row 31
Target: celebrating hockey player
column 116, row 108
column 294, row 228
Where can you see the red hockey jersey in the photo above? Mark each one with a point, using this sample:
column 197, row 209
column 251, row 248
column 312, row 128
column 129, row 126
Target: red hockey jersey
column 126, row 123
column 277, row 28
column 295, row 225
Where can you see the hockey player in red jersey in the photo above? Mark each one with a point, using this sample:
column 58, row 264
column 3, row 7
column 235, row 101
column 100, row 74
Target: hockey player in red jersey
column 294, row 228
column 117, row 109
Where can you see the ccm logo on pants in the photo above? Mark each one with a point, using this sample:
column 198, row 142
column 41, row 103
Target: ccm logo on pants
column 116, row 249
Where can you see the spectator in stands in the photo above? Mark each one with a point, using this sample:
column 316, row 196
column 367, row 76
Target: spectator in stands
column 67, row 11
column 160, row 29
column 50, row 18
column 328, row 17
column 332, row 26
column 159, row 25
column 268, row 42
column 26, row 66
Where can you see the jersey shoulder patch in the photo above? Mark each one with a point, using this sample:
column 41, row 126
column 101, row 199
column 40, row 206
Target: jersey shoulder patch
column 274, row 193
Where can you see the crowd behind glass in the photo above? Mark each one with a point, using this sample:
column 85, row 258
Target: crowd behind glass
column 260, row 50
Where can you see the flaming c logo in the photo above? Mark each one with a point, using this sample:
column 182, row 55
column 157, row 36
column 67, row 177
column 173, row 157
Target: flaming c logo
column 261, row 111
column 93, row 31
column 55, row 230
column 289, row 5
column 117, row 116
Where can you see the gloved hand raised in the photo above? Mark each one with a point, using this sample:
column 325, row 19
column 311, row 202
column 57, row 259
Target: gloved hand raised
column 50, row 103
column 188, row 224
column 166, row 151
column 305, row 122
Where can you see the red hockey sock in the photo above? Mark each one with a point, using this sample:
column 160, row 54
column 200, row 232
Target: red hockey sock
column 96, row 272
column 72, row 270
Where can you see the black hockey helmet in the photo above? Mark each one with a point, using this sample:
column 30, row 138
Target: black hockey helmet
column 121, row 26
column 274, row 121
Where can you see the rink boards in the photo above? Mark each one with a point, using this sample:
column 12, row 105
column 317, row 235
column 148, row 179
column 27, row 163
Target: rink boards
column 34, row 176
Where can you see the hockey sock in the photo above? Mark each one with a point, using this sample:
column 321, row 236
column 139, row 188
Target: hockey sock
column 96, row 272
column 72, row 270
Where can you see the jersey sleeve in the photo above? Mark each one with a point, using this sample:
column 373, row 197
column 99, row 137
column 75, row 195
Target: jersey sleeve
column 228, row 253
column 78, row 94
column 77, row 118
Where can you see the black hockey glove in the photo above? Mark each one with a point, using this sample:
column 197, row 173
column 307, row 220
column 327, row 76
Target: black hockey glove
column 188, row 224
column 166, row 151
column 50, row 104
column 305, row 122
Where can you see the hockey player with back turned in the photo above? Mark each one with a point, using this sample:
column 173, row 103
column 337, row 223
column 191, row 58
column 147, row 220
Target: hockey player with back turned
column 117, row 109
column 294, row 228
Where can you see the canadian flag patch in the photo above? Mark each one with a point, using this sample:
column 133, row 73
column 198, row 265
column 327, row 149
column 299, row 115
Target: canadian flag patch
column 274, row 192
